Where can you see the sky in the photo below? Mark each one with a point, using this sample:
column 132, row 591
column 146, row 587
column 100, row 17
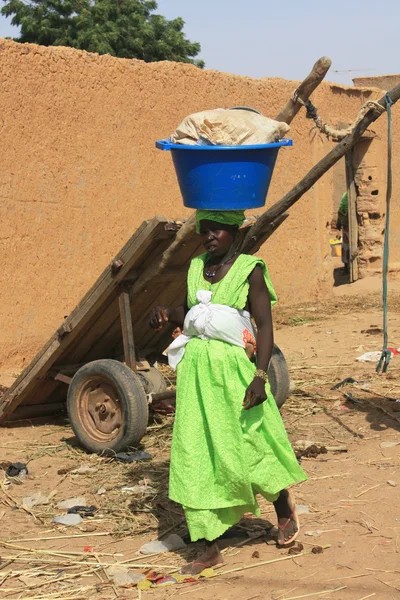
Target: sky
column 261, row 38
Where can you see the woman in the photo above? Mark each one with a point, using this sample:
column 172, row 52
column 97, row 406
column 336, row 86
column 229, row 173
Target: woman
column 343, row 224
column 229, row 442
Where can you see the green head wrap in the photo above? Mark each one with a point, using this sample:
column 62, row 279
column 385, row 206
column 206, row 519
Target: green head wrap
column 226, row 217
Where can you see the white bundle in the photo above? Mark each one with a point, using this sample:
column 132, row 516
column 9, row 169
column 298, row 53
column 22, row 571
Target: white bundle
column 226, row 127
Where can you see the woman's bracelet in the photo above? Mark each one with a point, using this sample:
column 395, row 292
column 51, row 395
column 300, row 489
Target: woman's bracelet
column 261, row 374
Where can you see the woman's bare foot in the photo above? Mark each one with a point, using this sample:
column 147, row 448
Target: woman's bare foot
column 211, row 557
column 288, row 527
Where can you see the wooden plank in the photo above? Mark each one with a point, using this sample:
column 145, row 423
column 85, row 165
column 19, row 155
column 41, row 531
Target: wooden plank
column 127, row 329
column 107, row 326
column 352, row 214
column 132, row 253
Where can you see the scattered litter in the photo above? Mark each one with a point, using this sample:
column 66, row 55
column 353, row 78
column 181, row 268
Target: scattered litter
column 69, row 520
column 392, row 483
column 88, row 548
column 138, row 489
column 315, row 533
column 30, row 501
column 71, row 502
column 375, row 356
column 297, row 549
column 122, row 577
column 255, row 554
column 84, row 469
column 130, row 457
column 369, row 356
column 17, row 469
column 83, row 511
column 343, row 383
column 389, row 444
column 155, row 579
column 302, row 509
column 350, row 398
column 317, row 550
column 169, row 544
column 101, row 491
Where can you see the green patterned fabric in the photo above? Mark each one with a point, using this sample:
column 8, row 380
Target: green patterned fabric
column 223, row 456
column 227, row 217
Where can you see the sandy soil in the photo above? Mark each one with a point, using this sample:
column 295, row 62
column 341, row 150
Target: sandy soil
column 353, row 510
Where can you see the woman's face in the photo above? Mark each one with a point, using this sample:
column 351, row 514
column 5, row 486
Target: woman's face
column 217, row 238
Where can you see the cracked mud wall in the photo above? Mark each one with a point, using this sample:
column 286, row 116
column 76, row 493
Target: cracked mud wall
column 79, row 172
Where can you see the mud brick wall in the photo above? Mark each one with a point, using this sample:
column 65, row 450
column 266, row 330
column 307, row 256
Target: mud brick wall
column 370, row 187
column 79, row 173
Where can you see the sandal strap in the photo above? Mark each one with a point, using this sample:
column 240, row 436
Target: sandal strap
column 283, row 527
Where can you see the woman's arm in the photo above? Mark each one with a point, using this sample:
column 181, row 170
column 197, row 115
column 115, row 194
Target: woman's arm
column 161, row 315
column 260, row 308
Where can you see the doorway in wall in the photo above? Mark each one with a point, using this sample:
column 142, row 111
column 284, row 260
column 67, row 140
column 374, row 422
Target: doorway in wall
column 344, row 241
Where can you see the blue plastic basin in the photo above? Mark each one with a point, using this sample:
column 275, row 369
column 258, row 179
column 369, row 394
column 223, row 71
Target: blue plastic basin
column 224, row 177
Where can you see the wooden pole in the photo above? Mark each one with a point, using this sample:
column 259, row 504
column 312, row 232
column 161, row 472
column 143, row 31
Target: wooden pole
column 352, row 216
column 127, row 329
column 305, row 89
column 256, row 231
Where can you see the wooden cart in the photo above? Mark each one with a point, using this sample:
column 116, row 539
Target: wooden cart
column 101, row 359
column 105, row 351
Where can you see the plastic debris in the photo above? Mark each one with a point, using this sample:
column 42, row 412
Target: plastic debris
column 17, row 469
column 350, row 398
column 375, row 356
column 302, row 509
column 130, row 457
column 122, row 577
column 30, row 501
column 83, row 470
column 392, row 483
column 71, row 502
column 169, row 544
column 68, row 520
column 370, row 356
column 101, row 491
column 343, row 383
column 155, row 579
column 83, row 511
column 389, row 444
column 315, row 533
column 138, row 489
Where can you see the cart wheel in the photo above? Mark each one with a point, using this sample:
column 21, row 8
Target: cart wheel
column 153, row 381
column 107, row 406
column 278, row 375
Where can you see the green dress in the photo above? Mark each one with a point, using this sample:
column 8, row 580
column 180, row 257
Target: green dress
column 223, row 456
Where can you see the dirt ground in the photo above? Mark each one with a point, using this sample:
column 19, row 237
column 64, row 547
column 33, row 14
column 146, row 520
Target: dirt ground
column 352, row 495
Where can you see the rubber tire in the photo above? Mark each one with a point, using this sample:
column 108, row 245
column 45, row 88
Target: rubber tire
column 131, row 394
column 278, row 375
column 153, row 381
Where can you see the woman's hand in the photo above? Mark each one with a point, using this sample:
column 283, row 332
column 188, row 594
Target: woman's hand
column 255, row 394
column 159, row 317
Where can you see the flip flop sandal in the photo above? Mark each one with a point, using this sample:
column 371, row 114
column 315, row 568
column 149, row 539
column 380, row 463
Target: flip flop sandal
column 293, row 517
column 200, row 564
